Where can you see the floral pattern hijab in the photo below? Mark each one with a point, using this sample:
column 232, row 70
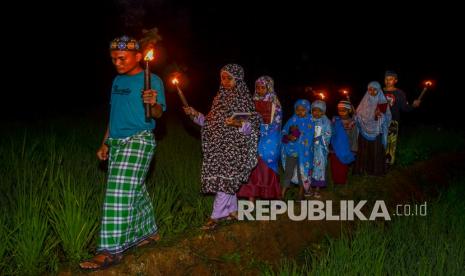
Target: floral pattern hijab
column 229, row 155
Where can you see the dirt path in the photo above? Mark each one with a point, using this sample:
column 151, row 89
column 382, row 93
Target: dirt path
column 240, row 248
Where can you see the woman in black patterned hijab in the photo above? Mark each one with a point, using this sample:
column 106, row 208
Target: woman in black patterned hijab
column 229, row 146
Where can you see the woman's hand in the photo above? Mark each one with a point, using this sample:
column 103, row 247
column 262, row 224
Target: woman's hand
column 190, row 111
column 233, row 122
column 378, row 113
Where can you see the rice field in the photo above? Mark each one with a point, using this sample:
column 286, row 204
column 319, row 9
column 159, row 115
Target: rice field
column 52, row 187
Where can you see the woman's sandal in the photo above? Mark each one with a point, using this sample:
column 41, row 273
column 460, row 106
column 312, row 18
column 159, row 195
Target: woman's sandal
column 210, row 225
column 232, row 217
column 149, row 240
column 102, row 260
column 308, row 194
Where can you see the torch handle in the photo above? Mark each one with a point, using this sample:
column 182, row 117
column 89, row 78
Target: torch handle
column 422, row 93
column 147, row 86
column 147, row 111
column 181, row 95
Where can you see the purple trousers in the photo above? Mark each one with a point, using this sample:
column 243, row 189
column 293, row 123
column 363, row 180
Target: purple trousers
column 224, row 205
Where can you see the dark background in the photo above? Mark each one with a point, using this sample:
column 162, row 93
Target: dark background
column 61, row 65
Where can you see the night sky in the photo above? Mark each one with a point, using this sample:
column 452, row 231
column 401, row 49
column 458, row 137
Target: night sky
column 329, row 46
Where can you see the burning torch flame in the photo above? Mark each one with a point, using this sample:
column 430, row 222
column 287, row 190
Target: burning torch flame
column 428, row 84
column 149, row 55
column 175, row 82
column 322, row 95
column 345, row 93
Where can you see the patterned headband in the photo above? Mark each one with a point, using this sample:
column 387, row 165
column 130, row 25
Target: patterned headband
column 345, row 104
column 124, row 43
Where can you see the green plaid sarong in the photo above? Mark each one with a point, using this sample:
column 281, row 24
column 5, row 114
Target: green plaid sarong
column 128, row 216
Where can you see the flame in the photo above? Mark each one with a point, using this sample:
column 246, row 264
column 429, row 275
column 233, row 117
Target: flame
column 149, row 55
column 322, row 94
column 175, row 81
column 428, row 83
column 344, row 91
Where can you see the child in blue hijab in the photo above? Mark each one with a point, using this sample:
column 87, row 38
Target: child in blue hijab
column 296, row 149
column 322, row 138
column 343, row 142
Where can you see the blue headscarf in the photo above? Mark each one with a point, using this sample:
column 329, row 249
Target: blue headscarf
column 303, row 146
column 369, row 127
column 319, row 104
column 340, row 140
column 323, row 121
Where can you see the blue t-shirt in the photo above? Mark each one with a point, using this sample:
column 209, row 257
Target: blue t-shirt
column 127, row 115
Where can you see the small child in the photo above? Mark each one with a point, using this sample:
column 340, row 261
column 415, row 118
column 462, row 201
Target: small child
column 321, row 143
column 264, row 179
column 296, row 150
column 343, row 142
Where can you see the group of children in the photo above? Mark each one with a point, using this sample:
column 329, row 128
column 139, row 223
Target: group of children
column 241, row 157
column 305, row 146
column 309, row 139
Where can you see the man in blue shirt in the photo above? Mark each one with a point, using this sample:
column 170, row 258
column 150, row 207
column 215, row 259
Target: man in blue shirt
column 128, row 144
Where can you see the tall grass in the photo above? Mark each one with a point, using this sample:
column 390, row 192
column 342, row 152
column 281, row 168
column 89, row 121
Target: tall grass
column 287, row 267
column 363, row 254
column 175, row 183
column 415, row 245
column 421, row 142
column 434, row 244
column 50, row 219
column 32, row 243
column 74, row 218
column 5, row 235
